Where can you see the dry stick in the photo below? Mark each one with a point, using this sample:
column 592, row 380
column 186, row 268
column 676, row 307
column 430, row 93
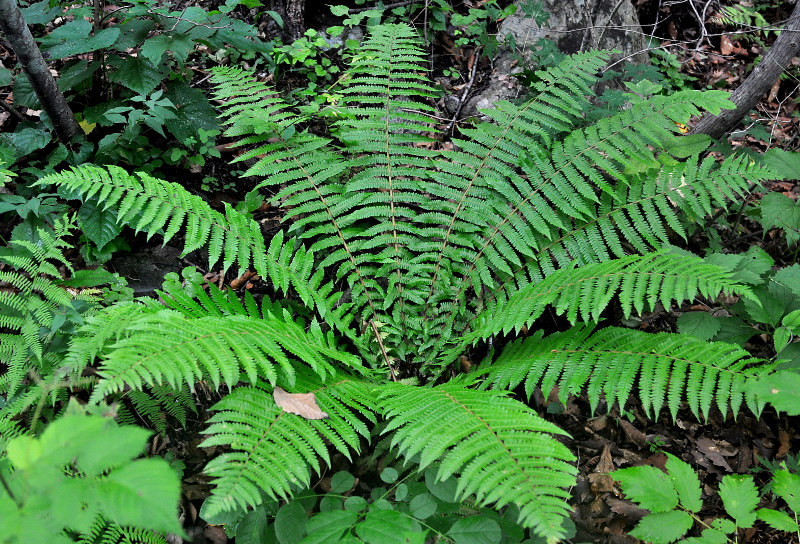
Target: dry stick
column 451, row 125
column 747, row 95
column 383, row 349
column 387, row 6
column 17, row 115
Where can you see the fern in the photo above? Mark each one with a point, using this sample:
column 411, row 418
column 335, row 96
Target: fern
column 31, row 303
column 272, row 449
column 167, row 348
column 103, row 532
column 154, row 405
column 151, row 205
column 503, row 451
column 584, row 292
column 670, row 368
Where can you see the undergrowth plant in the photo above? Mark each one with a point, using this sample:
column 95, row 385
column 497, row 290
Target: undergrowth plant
column 400, row 261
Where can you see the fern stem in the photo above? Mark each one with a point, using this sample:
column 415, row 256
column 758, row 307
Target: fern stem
column 383, row 350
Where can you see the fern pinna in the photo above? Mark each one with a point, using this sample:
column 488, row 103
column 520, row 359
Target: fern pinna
column 409, row 255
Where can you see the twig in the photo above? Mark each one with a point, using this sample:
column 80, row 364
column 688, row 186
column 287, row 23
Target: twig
column 383, row 349
column 17, row 115
column 451, row 125
column 387, row 6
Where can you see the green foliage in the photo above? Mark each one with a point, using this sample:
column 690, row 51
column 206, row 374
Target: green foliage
column 674, row 500
column 670, row 368
column 83, row 466
column 403, row 255
column 497, row 463
column 37, row 307
column 155, row 206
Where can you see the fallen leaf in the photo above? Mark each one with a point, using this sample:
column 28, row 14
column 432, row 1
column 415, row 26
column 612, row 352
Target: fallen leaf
column 726, row 47
column 711, row 450
column 302, row 404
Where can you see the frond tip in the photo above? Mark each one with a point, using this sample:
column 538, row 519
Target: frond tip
column 502, row 451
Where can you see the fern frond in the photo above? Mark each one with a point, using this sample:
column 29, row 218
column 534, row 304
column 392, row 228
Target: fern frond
column 155, row 206
column 583, row 293
column 29, row 303
column 169, row 348
column 155, row 404
column 502, row 452
column 272, row 449
column 670, row 368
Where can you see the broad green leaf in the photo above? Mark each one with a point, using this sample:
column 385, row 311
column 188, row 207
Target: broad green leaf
column 699, row 324
column 663, row 527
column 777, row 520
column 252, row 528
column 355, row 503
column 781, row 338
column 785, row 164
column 780, row 211
column 29, row 139
column 24, row 451
column 740, row 497
column 791, row 320
column 99, row 225
column 75, row 38
column 385, row 527
column 475, row 530
column 194, row 111
column 342, row 482
column 180, row 44
column 787, row 486
column 329, row 526
column 389, row 475
column 6, row 77
column 290, row 523
column 147, row 489
column 734, row 331
column 781, row 390
column 445, row 490
column 422, row 506
column 137, row 74
column 686, row 483
column 649, row 487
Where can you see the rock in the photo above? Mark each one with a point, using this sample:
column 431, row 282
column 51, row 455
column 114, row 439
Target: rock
column 575, row 25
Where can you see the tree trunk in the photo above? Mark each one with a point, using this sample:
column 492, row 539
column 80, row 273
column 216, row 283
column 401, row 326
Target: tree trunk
column 30, row 58
column 747, row 95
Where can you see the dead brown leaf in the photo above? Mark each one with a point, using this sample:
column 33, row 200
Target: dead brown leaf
column 302, row 404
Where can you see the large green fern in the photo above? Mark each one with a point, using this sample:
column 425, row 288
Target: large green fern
column 408, row 255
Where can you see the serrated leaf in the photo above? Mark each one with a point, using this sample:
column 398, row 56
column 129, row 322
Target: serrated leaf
column 663, row 527
column 781, row 338
column 787, row 486
column 777, row 520
column 137, row 74
column 649, row 487
column 75, row 38
column 290, row 523
column 154, row 48
column 686, row 483
column 781, row 390
column 99, row 225
column 740, row 497
column 701, row 325
column 252, row 528
column 6, row 77
column 780, row 211
column 194, row 111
